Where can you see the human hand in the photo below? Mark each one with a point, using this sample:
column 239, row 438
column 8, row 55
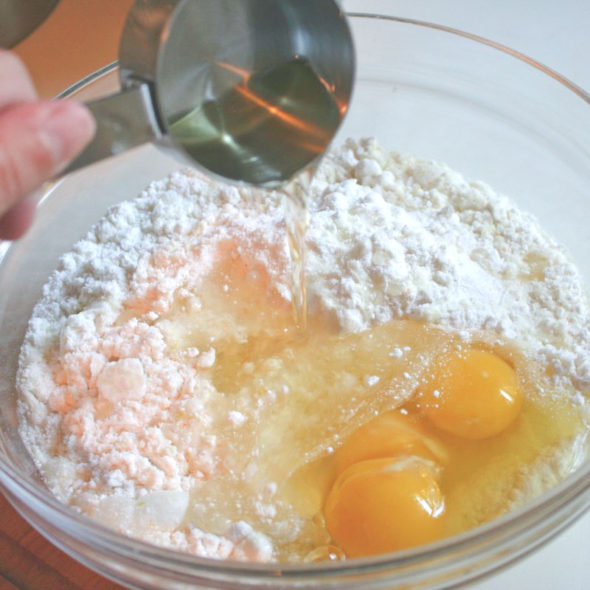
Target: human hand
column 37, row 140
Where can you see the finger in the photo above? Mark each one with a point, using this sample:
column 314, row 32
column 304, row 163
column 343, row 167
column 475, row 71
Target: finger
column 37, row 140
column 17, row 220
column 15, row 82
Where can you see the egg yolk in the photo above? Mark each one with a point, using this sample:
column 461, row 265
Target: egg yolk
column 474, row 394
column 388, row 435
column 384, row 505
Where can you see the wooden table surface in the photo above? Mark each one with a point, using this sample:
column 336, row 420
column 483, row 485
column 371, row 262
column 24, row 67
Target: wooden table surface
column 29, row 562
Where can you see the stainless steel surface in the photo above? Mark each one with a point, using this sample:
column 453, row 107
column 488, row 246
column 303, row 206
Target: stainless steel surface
column 126, row 120
column 19, row 18
column 275, row 78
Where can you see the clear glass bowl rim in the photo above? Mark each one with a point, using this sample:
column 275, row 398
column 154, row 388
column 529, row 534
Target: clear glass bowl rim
column 573, row 493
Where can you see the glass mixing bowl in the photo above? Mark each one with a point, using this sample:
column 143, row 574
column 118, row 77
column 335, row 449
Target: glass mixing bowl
column 485, row 110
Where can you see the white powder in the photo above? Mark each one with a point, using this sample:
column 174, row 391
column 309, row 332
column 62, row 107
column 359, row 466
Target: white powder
column 124, row 426
column 395, row 236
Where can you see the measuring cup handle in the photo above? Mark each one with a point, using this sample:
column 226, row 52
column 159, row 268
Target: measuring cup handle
column 123, row 120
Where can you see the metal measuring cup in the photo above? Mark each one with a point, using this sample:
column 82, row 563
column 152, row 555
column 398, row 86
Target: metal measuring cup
column 248, row 90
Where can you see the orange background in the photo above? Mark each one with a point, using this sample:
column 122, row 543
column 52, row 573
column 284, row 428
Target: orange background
column 78, row 37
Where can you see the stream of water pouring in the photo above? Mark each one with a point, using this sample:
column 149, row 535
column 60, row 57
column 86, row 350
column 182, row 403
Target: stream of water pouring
column 264, row 129
column 295, row 197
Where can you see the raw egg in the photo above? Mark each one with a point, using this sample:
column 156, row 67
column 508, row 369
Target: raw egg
column 473, row 394
column 388, row 435
column 384, row 505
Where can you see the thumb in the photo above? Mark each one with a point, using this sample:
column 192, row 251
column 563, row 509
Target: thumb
column 37, row 140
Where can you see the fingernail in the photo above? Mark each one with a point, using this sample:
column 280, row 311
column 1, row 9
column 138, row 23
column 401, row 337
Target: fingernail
column 67, row 127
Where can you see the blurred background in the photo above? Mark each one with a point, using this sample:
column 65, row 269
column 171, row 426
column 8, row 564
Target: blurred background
column 77, row 38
